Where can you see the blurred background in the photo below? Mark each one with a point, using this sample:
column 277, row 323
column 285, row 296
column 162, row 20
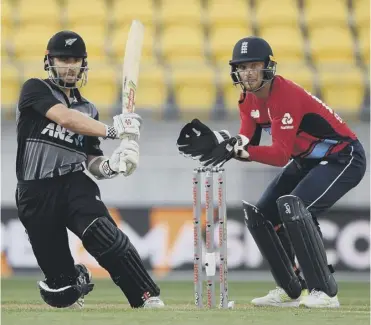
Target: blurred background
column 322, row 45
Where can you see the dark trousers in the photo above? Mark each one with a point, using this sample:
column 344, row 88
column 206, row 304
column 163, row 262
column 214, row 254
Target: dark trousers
column 319, row 183
column 47, row 208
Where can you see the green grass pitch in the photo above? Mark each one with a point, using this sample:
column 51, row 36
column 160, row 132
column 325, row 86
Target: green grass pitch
column 22, row 305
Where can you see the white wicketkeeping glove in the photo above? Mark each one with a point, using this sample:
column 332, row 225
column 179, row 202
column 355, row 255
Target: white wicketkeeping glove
column 240, row 148
column 127, row 155
column 125, row 126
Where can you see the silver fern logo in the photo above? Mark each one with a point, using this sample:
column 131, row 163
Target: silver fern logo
column 70, row 41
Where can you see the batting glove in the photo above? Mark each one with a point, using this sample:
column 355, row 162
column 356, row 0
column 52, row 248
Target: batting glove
column 125, row 126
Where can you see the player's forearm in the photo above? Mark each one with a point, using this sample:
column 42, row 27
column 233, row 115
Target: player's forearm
column 270, row 155
column 82, row 124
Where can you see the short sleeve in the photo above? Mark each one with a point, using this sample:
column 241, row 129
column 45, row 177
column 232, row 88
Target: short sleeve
column 36, row 95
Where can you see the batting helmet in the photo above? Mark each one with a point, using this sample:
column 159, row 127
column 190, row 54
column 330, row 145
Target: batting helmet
column 253, row 49
column 66, row 44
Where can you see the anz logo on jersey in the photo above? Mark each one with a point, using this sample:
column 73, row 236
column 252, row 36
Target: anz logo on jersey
column 58, row 132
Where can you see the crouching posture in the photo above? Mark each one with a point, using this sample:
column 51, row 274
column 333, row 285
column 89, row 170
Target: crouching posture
column 322, row 160
column 58, row 134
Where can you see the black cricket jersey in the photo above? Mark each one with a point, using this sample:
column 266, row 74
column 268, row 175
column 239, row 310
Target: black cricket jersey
column 46, row 149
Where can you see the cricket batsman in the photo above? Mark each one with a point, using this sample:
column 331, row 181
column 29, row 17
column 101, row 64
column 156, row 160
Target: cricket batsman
column 58, row 134
column 321, row 159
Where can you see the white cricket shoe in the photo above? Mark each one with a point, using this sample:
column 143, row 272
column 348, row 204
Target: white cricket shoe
column 278, row 298
column 153, row 302
column 319, row 299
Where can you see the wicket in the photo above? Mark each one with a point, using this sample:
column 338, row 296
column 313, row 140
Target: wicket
column 210, row 257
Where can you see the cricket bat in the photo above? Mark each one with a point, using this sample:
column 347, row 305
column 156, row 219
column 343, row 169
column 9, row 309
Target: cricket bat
column 130, row 69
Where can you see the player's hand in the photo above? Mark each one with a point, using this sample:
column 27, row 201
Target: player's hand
column 127, row 126
column 220, row 154
column 240, row 148
column 114, row 160
column 196, row 139
column 235, row 147
column 129, row 157
column 127, row 154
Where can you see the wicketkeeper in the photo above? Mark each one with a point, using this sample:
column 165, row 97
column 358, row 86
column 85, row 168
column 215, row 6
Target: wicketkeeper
column 321, row 160
column 57, row 135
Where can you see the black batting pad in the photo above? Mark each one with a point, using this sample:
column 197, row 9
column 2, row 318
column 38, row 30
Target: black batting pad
column 307, row 243
column 63, row 297
column 272, row 250
column 114, row 252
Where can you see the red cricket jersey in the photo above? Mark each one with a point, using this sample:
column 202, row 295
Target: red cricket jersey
column 301, row 125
